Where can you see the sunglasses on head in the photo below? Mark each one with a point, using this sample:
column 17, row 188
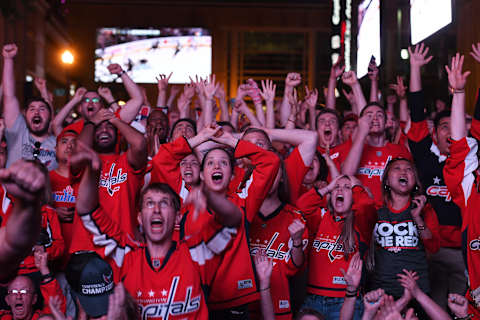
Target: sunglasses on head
column 36, row 151
column 94, row 100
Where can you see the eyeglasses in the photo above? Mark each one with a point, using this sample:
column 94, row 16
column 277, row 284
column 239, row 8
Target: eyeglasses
column 36, row 151
column 163, row 204
column 21, row 292
column 94, row 100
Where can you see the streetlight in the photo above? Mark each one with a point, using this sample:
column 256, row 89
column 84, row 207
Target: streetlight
column 67, row 57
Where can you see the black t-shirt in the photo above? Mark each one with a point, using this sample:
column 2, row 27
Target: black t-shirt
column 398, row 246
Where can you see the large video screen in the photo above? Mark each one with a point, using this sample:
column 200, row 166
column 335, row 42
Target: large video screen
column 368, row 39
column 428, row 16
column 146, row 53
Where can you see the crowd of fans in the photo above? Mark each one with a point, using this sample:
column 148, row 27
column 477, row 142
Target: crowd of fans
column 273, row 208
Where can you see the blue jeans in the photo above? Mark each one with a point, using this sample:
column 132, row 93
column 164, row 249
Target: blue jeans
column 330, row 307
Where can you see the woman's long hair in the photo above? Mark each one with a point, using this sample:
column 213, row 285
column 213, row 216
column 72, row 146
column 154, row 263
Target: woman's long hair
column 347, row 236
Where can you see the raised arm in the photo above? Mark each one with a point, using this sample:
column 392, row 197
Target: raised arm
column 11, row 107
column 184, row 101
column 26, row 182
column 457, row 81
column 306, row 141
column 335, row 73
column 137, row 150
column 351, row 163
column 373, row 76
column 162, row 85
column 130, row 110
column 291, row 81
column 254, row 93
column 263, row 267
column 268, row 94
column 418, row 58
column 311, row 102
column 352, row 277
column 57, row 124
column 222, row 100
column 242, row 108
column 208, row 89
column 350, row 78
column 408, row 280
column 400, row 91
column 174, row 91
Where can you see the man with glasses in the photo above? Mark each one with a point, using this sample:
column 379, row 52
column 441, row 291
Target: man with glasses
column 27, row 133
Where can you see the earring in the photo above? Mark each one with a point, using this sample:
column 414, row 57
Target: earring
column 416, row 188
column 386, row 187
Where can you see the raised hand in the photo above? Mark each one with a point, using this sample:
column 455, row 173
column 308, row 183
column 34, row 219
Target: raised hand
column 349, row 95
column 419, row 202
column 337, row 69
column 9, row 51
column 349, row 78
column 268, row 90
column 293, row 79
column 458, row 304
column 354, row 272
column 41, row 259
column 418, row 55
column 388, row 309
column 84, row 155
column 40, row 84
column 209, row 87
column 372, row 70
column 24, row 180
column 189, row 90
column 162, row 81
column 115, row 68
column 242, row 91
column 105, row 93
column 456, row 78
column 311, row 97
column 55, row 304
column 263, row 266
column 372, row 301
column 197, row 198
column 408, row 280
column 296, row 229
column 399, row 87
column 220, row 93
column 476, row 51
column 79, row 94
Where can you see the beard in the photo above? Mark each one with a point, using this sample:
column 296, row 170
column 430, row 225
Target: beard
column 41, row 131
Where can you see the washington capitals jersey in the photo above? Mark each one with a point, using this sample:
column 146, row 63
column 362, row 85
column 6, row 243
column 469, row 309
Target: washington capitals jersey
column 270, row 234
column 463, row 182
column 430, row 164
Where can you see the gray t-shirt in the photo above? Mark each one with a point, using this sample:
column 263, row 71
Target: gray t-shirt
column 21, row 145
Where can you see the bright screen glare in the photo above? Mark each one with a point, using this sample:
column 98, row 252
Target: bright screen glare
column 428, row 16
column 368, row 39
column 146, row 53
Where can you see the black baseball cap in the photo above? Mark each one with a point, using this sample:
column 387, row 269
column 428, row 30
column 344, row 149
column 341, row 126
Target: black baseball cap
column 91, row 280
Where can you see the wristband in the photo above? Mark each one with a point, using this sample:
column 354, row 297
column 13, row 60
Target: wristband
column 114, row 101
column 264, row 289
column 122, row 73
column 46, row 276
column 351, row 294
column 453, row 90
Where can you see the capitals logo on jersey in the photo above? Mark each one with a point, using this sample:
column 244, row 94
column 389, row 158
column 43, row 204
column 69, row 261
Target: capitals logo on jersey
column 436, row 190
column 374, row 169
column 396, row 236
column 111, row 179
column 282, row 251
column 332, row 245
column 162, row 304
column 64, row 196
column 474, row 244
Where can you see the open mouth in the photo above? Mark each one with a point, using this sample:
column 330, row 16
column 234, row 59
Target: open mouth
column 188, row 173
column 327, row 133
column 104, row 137
column 217, row 177
column 156, row 224
column 19, row 308
column 36, row 120
column 403, row 181
column 89, row 109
